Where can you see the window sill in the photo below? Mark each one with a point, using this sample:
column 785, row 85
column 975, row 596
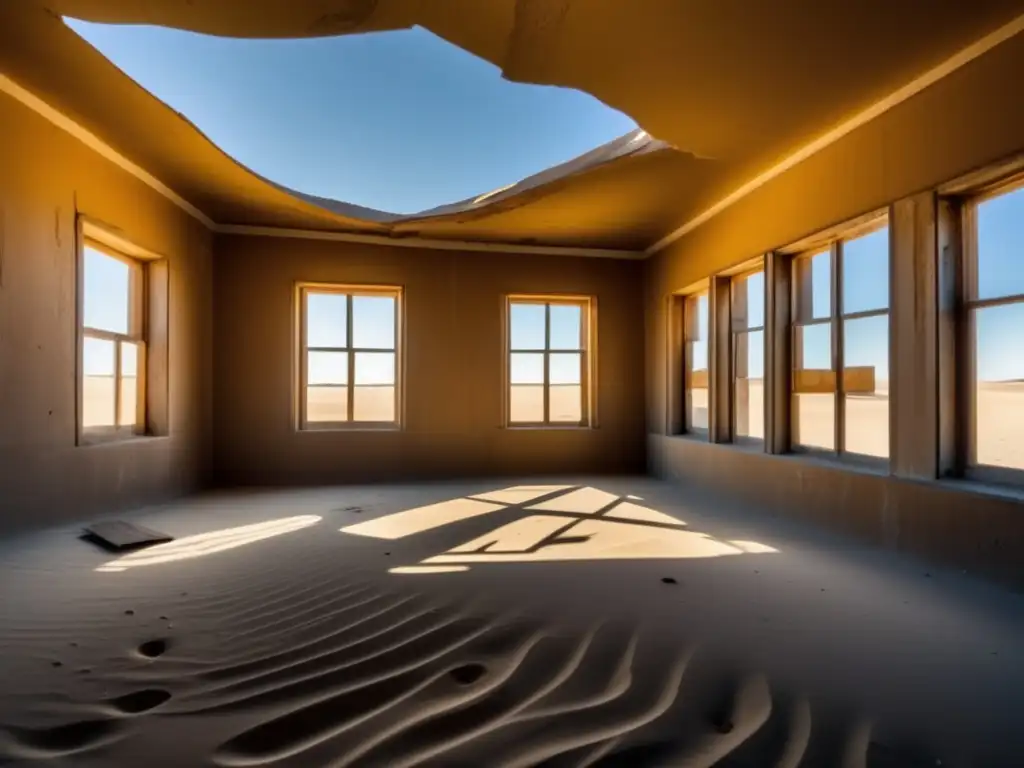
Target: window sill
column 865, row 465
column 979, row 487
column 549, row 427
column 350, row 427
column 99, row 439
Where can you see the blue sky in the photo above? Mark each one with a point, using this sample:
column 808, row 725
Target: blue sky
column 401, row 121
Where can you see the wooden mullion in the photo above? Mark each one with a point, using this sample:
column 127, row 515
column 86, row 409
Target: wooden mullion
column 1000, row 301
column 839, row 409
column 865, row 314
column 967, row 339
column 547, row 363
column 117, row 384
column 350, row 394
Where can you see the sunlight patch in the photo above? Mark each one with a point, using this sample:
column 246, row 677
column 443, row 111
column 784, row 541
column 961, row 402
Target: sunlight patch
column 191, row 547
column 520, row 494
column 754, row 547
column 413, row 569
column 585, row 501
column 518, row 536
column 421, row 519
column 601, row 539
column 629, row 511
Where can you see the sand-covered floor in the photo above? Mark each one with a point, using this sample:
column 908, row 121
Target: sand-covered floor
column 607, row 622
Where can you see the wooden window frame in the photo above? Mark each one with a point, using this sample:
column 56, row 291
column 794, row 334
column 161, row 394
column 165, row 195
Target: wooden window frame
column 737, row 331
column 303, row 290
column 834, row 245
column 137, row 332
column 966, row 334
column 587, row 352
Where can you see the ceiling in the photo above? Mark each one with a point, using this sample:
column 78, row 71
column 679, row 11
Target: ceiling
column 728, row 87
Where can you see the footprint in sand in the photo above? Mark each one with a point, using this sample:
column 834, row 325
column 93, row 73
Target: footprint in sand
column 153, row 648
column 468, row 674
column 140, row 701
column 62, row 741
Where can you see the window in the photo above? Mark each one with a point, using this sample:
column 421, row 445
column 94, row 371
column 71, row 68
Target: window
column 696, row 354
column 112, row 401
column 349, row 363
column 747, row 317
column 841, row 323
column 548, row 361
column 994, row 302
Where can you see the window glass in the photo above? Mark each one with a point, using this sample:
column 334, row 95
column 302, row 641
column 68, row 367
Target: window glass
column 814, row 286
column 99, row 382
column 565, row 326
column 866, row 272
column 697, row 416
column 106, row 292
column 866, row 385
column 814, row 387
column 327, row 386
column 326, row 318
column 999, row 386
column 1001, row 246
column 374, row 395
column 373, row 322
column 527, row 324
column 748, row 403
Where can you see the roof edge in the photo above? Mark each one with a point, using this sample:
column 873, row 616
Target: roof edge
column 935, row 74
column 424, row 242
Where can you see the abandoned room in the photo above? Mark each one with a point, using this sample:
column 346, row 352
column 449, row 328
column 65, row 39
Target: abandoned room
column 511, row 383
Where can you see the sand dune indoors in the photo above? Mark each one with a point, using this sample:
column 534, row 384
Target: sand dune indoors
column 575, row 623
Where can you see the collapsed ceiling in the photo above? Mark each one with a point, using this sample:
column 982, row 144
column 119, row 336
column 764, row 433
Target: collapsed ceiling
column 728, row 87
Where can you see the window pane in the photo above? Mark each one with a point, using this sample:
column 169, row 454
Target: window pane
column 866, row 385
column 565, row 368
column 566, row 403
column 375, row 387
column 565, row 392
column 526, row 368
column 327, row 386
column 106, row 292
column 565, row 326
column 699, row 335
column 749, row 386
column 526, row 400
column 697, row 363
column 999, row 372
column 129, row 384
column 866, row 272
column 1001, row 246
column 326, row 316
column 98, row 383
column 698, row 411
column 814, row 287
column 813, row 387
column 526, row 326
column 373, row 322
column 748, row 302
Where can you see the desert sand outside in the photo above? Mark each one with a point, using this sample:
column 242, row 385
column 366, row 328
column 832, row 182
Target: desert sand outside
column 1000, row 413
column 1000, row 421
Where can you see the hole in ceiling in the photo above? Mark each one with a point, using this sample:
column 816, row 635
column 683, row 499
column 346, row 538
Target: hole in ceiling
column 398, row 121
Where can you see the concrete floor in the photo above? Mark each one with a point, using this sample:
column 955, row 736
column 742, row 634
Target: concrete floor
column 633, row 624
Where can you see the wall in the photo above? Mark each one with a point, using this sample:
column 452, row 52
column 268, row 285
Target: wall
column 962, row 123
column 47, row 175
column 453, row 383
